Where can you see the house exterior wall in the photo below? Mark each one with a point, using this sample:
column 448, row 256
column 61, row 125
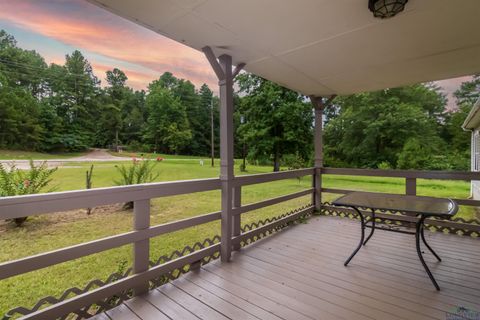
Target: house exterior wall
column 475, row 162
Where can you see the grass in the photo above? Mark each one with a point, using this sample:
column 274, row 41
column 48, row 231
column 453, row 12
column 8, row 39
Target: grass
column 52, row 231
column 26, row 155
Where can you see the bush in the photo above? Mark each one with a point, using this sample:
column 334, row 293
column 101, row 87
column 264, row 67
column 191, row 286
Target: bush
column 138, row 172
column 135, row 146
column 294, row 162
column 15, row 182
column 384, row 165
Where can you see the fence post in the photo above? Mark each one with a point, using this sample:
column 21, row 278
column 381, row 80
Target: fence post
column 237, row 219
column 141, row 249
column 411, row 186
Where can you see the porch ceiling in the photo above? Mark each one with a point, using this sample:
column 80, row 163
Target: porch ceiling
column 322, row 47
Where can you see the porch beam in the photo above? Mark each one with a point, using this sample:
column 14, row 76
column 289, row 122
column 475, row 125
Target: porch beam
column 223, row 69
column 237, row 70
column 214, row 63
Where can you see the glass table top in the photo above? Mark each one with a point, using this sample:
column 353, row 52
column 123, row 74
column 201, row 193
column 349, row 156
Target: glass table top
column 397, row 202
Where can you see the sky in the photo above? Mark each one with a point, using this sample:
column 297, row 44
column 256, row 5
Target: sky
column 55, row 28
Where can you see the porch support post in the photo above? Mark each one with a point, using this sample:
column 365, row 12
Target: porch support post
column 318, row 105
column 223, row 70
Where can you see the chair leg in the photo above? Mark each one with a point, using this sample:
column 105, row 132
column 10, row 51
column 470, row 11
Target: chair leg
column 418, row 232
column 362, row 221
column 373, row 228
column 427, row 245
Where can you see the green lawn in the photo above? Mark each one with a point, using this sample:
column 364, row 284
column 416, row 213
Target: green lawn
column 26, row 155
column 52, row 231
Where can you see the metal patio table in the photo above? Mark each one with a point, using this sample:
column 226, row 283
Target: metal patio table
column 421, row 207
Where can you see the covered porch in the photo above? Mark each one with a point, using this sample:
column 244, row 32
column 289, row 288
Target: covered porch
column 289, row 266
column 298, row 274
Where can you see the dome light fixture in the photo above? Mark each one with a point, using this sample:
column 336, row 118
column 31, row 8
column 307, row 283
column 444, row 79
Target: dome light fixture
column 384, row 9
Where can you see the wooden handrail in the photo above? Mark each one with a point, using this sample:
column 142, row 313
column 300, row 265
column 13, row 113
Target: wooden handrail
column 463, row 202
column 269, row 177
column 271, row 201
column 441, row 175
column 22, row 206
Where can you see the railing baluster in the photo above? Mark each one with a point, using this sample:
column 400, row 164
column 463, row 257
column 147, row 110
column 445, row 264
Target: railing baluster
column 237, row 219
column 411, row 186
column 317, row 186
column 141, row 249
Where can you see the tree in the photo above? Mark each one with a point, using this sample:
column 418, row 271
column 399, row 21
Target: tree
column 167, row 126
column 19, row 113
column 74, row 95
column 458, row 140
column 469, row 91
column 113, row 109
column 373, row 128
column 278, row 120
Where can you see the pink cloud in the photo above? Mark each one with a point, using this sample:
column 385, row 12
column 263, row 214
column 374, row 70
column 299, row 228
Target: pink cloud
column 449, row 86
column 136, row 79
column 113, row 37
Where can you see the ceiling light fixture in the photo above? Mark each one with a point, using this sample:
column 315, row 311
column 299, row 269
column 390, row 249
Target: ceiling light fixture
column 386, row 8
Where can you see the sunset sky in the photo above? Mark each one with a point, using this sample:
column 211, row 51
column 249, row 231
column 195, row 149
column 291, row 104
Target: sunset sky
column 57, row 27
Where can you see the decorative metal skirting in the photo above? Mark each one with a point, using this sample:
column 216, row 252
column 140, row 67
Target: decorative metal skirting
column 396, row 219
column 276, row 228
column 100, row 306
column 156, row 282
column 69, row 293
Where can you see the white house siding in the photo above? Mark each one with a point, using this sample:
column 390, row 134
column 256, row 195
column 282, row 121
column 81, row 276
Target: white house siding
column 475, row 162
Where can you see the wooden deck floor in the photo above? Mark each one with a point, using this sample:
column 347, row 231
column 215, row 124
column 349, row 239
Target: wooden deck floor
column 299, row 274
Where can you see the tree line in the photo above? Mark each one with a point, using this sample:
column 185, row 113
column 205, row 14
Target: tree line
column 65, row 108
column 399, row 128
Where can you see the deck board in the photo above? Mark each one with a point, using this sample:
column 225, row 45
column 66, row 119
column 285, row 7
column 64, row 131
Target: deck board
column 145, row 310
column 299, row 274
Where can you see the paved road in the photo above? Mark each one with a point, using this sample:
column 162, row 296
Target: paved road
column 96, row 155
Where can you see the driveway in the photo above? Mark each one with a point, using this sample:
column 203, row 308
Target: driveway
column 95, row 155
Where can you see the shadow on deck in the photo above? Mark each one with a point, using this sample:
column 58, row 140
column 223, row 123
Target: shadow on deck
column 299, row 274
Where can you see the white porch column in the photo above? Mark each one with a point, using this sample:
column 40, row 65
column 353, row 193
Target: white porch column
column 223, row 70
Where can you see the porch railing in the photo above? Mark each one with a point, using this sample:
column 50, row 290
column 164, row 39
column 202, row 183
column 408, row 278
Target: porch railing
column 141, row 195
column 456, row 225
column 143, row 271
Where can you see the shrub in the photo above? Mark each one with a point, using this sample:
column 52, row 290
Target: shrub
column 138, row 172
column 88, row 183
column 384, row 165
column 294, row 162
column 16, row 182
